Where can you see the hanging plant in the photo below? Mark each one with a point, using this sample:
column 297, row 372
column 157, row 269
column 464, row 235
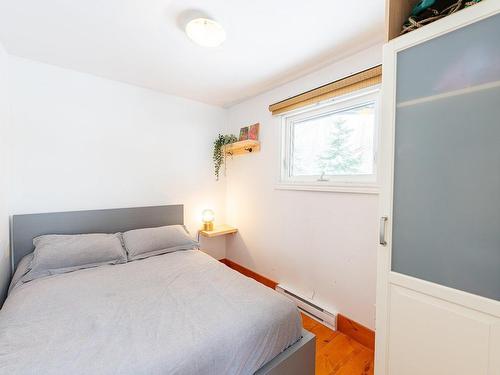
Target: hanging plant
column 220, row 157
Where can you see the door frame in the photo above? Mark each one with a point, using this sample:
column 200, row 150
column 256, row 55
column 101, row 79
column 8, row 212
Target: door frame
column 386, row 277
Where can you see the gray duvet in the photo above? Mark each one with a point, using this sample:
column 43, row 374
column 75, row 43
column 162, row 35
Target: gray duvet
column 178, row 313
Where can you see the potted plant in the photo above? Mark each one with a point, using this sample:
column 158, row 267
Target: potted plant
column 219, row 156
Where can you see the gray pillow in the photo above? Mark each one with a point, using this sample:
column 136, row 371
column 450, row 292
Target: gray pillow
column 21, row 270
column 143, row 243
column 56, row 253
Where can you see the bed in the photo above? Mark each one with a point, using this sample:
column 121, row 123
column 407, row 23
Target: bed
column 176, row 313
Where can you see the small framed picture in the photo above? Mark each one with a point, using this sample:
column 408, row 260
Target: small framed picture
column 253, row 132
column 244, row 133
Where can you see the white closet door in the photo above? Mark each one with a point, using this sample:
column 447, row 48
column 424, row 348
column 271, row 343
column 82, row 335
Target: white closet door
column 430, row 336
column 438, row 302
column 446, row 200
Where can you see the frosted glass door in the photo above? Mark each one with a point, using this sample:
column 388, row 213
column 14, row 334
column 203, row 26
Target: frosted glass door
column 446, row 212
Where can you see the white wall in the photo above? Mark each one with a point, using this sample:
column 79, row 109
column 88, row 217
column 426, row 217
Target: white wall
column 4, row 174
column 320, row 244
column 83, row 142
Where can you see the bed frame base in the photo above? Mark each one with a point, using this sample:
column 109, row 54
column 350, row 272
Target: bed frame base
column 298, row 359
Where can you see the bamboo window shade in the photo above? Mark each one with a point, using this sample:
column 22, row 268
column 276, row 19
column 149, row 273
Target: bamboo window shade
column 355, row 82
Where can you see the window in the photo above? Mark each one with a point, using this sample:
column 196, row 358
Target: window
column 332, row 147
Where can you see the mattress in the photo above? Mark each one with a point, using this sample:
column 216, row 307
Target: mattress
column 178, row 313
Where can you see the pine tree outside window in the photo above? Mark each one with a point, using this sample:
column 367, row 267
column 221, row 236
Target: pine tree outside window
column 332, row 146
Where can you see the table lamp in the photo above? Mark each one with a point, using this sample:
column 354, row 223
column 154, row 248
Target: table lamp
column 208, row 216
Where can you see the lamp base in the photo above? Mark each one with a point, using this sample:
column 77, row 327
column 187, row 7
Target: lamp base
column 208, row 226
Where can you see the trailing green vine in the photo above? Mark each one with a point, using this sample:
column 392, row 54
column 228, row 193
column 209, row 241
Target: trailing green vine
column 219, row 157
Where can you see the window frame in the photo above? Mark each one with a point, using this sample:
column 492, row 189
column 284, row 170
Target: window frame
column 338, row 183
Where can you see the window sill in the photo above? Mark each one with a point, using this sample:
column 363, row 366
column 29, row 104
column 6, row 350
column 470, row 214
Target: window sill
column 338, row 188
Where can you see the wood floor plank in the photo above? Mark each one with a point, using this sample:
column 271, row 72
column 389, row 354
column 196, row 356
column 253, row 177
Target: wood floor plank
column 335, row 355
column 324, row 335
column 360, row 364
column 338, row 354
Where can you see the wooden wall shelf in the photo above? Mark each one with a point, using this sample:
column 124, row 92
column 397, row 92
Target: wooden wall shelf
column 242, row 147
column 218, row 231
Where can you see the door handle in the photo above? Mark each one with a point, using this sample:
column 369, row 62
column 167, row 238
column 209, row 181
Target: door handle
column 383, row 222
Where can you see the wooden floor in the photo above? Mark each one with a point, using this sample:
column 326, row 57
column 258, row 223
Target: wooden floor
column 338, row 354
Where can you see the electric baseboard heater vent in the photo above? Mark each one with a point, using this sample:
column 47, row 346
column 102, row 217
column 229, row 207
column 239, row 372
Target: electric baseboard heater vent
column 310, row 308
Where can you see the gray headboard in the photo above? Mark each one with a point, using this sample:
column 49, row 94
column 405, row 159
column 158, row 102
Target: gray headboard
column 26, row 227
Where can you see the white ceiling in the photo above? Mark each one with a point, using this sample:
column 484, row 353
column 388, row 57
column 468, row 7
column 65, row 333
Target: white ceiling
column 141, row 42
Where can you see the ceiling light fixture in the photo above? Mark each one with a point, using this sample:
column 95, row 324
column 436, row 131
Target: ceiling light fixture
column 205, row 32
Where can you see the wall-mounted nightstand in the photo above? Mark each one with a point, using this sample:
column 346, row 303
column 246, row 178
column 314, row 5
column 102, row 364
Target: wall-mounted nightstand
column 219, row 230
column 215, row 242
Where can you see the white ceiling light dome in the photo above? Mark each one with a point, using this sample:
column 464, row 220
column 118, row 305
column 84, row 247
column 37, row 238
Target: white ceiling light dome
column 205, row 32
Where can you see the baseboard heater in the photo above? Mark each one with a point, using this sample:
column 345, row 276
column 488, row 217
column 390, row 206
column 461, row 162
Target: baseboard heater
column 310, row 308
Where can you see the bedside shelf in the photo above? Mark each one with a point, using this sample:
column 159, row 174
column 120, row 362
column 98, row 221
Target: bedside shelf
column 242, row 147
column 219, row 230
